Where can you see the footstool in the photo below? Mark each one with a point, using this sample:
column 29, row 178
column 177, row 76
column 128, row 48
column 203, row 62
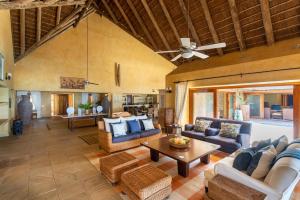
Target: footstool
column 146, row 182
column 114, row 165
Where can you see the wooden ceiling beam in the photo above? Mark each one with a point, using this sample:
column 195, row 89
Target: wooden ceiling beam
column 63, row 23
column 210, row 24
column 112, row 15
column 236, row 24
column 58, row 14
column 37, row 4
column 38, row 23
column 125, row 17
column 265, row 10
column 22, row 31
column 189, row 22
column 83, row 12
column 137, row 16
column 154, row 22
column 169, row 18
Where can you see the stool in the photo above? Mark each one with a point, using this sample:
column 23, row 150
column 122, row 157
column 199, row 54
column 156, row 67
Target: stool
column 114, row 165
column 146, row 182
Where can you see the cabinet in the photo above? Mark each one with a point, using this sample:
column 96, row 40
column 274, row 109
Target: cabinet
column 4, row 112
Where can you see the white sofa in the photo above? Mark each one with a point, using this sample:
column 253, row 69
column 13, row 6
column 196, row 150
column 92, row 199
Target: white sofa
column 278, row 184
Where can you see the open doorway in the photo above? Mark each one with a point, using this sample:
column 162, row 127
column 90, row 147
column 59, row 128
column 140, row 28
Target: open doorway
column 60, row 102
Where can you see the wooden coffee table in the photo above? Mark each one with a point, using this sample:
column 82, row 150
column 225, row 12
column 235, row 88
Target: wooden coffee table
column 197, row 150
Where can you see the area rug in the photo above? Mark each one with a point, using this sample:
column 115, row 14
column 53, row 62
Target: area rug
column 90, row 138
column 190, row 188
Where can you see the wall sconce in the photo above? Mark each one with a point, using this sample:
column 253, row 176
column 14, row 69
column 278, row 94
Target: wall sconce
column 168, row 89
column 8, row 76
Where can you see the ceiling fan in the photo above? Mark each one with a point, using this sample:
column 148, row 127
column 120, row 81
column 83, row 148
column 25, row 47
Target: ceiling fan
column 86, row 81
column 189, row 49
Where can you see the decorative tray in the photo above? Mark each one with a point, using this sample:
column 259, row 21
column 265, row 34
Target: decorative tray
column 179, row 142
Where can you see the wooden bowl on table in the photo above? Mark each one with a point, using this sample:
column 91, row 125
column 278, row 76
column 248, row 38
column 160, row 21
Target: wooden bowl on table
column 179, row 142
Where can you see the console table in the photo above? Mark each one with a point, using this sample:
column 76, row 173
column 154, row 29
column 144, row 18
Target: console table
column 76, row 117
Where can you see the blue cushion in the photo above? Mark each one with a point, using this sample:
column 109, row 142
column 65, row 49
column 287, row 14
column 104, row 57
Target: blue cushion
column 150, row 132
column 126, row 138
column 211, row 131
column 133, row 126
column 262, row 144
column 276, row 107
column 243, row 159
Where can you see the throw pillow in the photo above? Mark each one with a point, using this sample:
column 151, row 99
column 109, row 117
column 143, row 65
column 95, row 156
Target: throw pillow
column 133, row 126
column 108, row 121
column 230, row 130
column 148, row 124
column 281, row 143
column 243, row 158
column 211, row 131
column 261, row 162
column 118, row 129
column 261, row 144
column 201, row 125
column 141, row 117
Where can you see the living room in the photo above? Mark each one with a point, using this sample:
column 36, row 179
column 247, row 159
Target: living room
column 104, row 99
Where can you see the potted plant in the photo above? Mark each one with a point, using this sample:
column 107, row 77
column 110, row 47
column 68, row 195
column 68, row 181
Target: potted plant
column 86, row 107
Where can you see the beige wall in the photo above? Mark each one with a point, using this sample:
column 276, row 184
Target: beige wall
column 6, row 45
column 279, row 56
column 141, row 69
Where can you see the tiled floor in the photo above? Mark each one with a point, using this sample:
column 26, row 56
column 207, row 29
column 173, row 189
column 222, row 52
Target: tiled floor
column 50, row 164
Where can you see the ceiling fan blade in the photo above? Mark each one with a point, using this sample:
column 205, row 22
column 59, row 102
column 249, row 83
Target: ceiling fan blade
column 170, row 51
column 176, row 57
column 200, row 55
column 93, row 83
column 211, row 46
column 185, row 42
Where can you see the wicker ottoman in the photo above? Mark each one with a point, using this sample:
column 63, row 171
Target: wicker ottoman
column 114, row 165
column 146, row 183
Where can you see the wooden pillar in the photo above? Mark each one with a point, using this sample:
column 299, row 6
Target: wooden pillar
column 296, row 99
column 216, row 114
column 191, row 106
column 262, row 106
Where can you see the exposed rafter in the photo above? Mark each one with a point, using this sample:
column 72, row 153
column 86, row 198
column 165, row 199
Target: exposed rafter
column 110, row 11
column 58, row 14
column 125, row 17
column 65, row 22
column 38, row 23
column 189, row 21
column 265, row 10
column 36, row 4
column 154, row 22
column 137, row 16
column 210, row 24
column 169, row 18
column 84, row 11
column 22, row 31
column 236, row 24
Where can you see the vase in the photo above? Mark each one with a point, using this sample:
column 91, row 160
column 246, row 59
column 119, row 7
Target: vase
column 79, row 111
column 238, row 115
column 105, row 105
column 25, row 109
column 87, row 112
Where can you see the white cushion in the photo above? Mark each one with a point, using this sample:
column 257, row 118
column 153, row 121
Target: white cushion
column 264, row 163
column 283, row 142
column 119, row 129
column 141, row 117
column 294, row 146
column 108, row 121
column 148, row 124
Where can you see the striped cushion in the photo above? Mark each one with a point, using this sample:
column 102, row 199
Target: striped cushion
column 261, row 162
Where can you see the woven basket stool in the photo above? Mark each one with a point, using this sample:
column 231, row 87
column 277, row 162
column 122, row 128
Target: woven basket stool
column 114, row 165
column 146, row 182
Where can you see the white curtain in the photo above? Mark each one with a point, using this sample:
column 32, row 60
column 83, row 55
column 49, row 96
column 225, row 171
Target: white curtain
column 180, row 98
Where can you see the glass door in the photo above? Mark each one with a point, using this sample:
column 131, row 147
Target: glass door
column 203, row 104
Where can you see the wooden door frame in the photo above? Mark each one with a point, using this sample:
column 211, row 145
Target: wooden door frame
column 191, row 101
column 296, row 100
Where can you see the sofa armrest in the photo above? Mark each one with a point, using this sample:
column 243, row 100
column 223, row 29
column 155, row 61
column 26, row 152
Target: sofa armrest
column 188, row 127
column 243, row 139
column 105, row 140
column 157, row 126
column 240, row 177
column 101, row 125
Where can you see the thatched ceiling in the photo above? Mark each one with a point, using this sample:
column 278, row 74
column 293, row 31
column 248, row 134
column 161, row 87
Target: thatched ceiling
column 242, row 24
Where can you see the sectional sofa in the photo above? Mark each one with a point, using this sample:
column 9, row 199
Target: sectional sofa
column 211, row 135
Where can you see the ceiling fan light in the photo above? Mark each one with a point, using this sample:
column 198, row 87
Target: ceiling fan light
column 187, row 54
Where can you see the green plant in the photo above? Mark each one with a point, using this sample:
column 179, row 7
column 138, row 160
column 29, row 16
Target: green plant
column 85, row 106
